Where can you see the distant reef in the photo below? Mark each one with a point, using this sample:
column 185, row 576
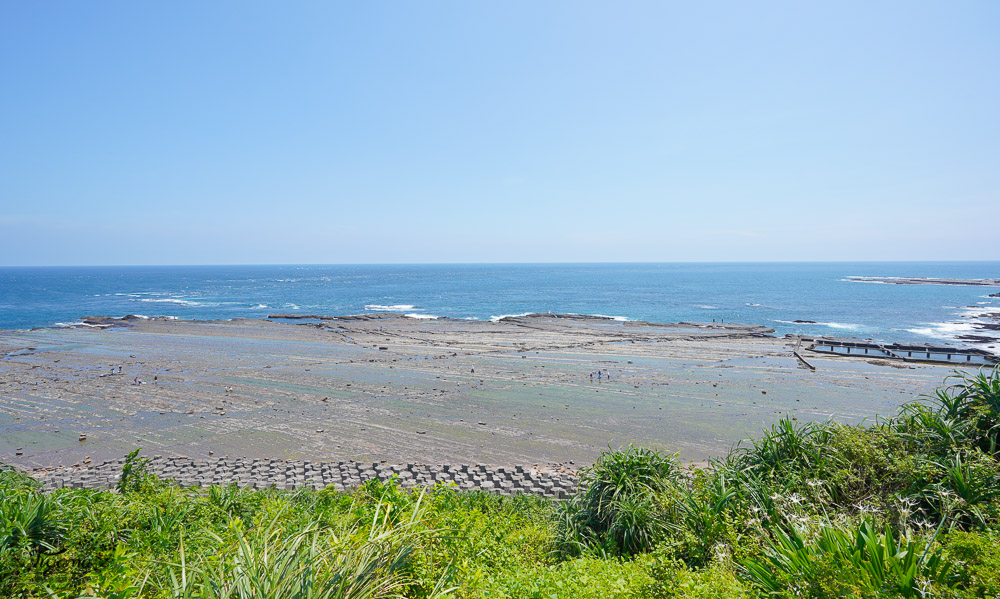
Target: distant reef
column 928, row 281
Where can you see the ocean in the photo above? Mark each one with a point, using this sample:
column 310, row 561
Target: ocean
column 772, row 294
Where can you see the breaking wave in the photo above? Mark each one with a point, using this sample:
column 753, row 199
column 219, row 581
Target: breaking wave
column 849, row 326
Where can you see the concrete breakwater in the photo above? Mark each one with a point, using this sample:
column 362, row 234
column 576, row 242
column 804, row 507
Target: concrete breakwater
column 342, row 476
column 903, row 352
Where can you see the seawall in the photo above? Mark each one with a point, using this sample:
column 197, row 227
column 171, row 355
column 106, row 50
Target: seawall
column 342, row 476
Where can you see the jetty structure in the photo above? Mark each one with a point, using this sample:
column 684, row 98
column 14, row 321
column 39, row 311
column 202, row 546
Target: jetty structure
column 926, row 353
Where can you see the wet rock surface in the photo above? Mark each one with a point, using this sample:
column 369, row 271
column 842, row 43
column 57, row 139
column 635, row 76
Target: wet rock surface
column 536, row 389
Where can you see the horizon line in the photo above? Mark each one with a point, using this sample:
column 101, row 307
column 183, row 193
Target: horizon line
column 554, row 263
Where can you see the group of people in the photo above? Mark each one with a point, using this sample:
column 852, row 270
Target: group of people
column 601, row 374
column 135, row 379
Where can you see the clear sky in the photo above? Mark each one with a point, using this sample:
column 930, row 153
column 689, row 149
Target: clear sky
column 526, row 131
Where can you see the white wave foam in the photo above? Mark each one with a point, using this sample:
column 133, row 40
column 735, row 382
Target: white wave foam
column 943, row 330
column 182, row 302
column 971, row 317
column 842, row 325
column 833, row 325
column 752, row 304
column 950, row 331
column 421, row 316
column 260, row 307
column 706, row 307
column 81, row 324
column 862, row 280
column 392, row 308
column 502, row 316
column 138, row 293
column 979, row 312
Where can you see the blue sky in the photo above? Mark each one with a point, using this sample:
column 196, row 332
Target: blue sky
column 293, row 132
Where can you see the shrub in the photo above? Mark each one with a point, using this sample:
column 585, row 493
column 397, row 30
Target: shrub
column 273, row 563
column 962, row 491
column 865, row 465
column 135, row 474
column 787, row 450
column 673, row 579
column 624, row 504
column 975, row 562
column 586, row 577
column 861, row 561
column 962, row 415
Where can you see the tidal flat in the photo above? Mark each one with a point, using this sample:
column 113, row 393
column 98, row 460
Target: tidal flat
column 524, row 390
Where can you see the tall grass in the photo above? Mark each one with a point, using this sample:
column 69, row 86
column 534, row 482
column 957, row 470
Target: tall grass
column 312, row 562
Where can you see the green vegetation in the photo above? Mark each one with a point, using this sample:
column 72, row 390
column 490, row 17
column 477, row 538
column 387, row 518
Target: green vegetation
column 905, row 507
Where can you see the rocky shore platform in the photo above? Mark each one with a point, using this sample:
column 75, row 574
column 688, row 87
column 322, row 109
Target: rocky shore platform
column 342, row 476
column 552, row 390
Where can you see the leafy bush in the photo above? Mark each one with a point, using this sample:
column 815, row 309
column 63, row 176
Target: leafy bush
column 624, row 503
column 30, row 523
column 135, row 473
column 962, row 491
column 861, row 561
column 962, row 415
column 586, row 577
column 787, row 450
column 975, row 562
column 673, row 579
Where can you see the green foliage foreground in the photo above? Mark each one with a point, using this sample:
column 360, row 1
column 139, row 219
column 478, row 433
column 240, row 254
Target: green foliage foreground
column 906, row 507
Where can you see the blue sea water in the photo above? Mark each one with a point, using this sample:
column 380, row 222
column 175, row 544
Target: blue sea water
column 772, row 294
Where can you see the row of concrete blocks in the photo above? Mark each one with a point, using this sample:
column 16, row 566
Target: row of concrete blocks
column 342, row 476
